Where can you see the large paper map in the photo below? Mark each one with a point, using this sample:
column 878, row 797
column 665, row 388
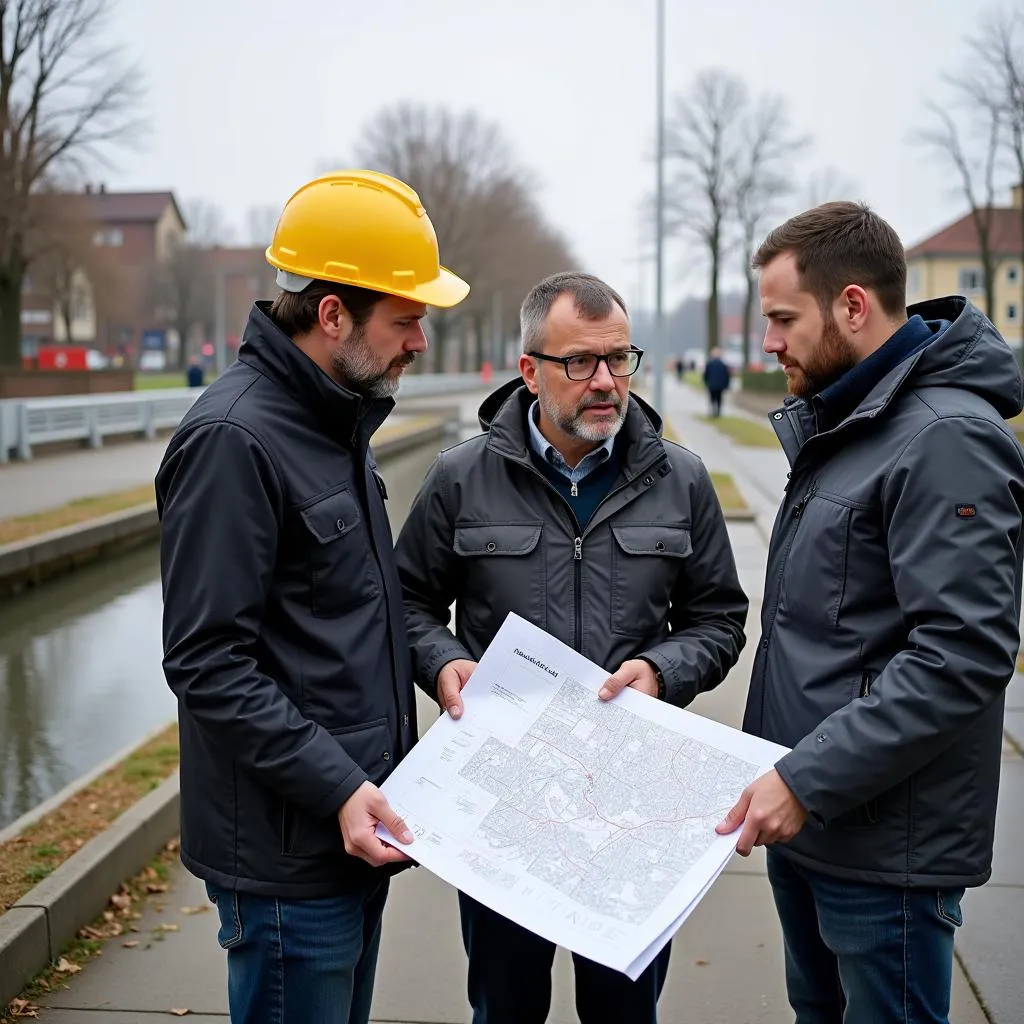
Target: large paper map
column 590, row 823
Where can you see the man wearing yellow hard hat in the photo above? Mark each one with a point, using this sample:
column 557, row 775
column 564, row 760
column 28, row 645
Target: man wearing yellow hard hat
column 284, row 638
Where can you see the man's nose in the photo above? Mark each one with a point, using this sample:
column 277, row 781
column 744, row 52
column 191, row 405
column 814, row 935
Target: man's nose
column 417, row 342
column 772, row 343
column 602, row 379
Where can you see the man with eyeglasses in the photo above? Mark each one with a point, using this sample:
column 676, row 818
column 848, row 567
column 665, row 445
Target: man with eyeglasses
column 573, row 512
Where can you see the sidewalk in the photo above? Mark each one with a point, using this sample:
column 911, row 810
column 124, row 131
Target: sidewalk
column 727, row 959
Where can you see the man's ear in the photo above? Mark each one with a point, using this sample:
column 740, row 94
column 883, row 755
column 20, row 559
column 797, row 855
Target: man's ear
column 528, row 368
column 854, row 307
column 335, row 320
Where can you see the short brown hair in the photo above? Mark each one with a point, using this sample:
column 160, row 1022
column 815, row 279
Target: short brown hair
column 297, row 313
column 839, row 244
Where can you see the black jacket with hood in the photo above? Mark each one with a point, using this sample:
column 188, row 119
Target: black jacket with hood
column 891, row 610
column 284, row 638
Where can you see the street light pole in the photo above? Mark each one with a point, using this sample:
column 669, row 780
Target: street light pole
column 220, row 327
column 660, row 346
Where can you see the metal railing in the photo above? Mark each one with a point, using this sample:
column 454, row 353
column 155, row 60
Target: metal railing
column 26, row 424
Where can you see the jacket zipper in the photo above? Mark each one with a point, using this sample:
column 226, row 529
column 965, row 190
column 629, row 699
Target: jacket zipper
column 577, row 556
column 865, row 684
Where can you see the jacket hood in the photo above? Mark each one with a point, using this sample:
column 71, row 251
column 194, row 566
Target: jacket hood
column 496, row 399
column 969, row 354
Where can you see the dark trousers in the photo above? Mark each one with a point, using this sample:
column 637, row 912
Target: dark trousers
column 301, row 961
column 716, row 401
column 510, row 976
column 864, row 954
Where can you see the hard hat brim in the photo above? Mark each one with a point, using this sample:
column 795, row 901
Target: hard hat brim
column 445, row 291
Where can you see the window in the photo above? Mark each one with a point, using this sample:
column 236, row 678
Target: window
column 1012, row 275
column 1012, row 314
column 112, row 237
column 971, row 279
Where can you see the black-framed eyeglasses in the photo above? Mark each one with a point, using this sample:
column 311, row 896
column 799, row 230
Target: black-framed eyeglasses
column 623, row 363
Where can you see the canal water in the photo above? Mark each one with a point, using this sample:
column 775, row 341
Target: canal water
column 80, row 674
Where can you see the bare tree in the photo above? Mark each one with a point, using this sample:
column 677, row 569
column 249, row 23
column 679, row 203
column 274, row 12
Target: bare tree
column 976, row 177
column 464, row 171
column 994, row 84
column 68, row 266
column 764, row 178
column 184, row 284
column 63, row 98
column 205, row 224
column 825, row 186
column 970, row 130
column 261, row 221
column 704, row 147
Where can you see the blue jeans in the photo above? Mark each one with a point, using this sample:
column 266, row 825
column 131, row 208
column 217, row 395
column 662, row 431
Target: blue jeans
column 864, row 954
column 510, row 976
column 301, row 961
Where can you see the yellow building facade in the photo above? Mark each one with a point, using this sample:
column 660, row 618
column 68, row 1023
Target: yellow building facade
column 949, row 263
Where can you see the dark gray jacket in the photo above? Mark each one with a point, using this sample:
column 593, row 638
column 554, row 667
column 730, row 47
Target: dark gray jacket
column 284, row 638
column 891, row 609
column 652, row 574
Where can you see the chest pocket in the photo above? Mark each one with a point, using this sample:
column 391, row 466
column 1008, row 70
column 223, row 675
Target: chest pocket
column 502, row 571
column 342, row 566
column 814, row 577
column 647, row 559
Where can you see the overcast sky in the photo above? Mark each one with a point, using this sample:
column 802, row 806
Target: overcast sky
column 248, row 98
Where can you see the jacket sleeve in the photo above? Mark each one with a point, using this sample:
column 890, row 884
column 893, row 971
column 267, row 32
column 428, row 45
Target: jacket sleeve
column 427, row 567
column 957, row 578
column 221, row 510
column 708, row 610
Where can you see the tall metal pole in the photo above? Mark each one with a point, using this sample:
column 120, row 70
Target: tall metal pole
column 219, row 327
column 660, row 347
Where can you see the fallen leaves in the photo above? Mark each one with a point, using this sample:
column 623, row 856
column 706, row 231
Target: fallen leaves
column 22, row 1008
column 196, row 910
column 121, row 900
column 179, row 1013
column 65, row 966
column 166, row 928
column 130, row 944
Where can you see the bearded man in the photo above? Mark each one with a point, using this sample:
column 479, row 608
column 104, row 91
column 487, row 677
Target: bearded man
column 889, row 627
column 573, row 512
column 284, row 636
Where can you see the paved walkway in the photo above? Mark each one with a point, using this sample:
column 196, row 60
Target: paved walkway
column 726, row 965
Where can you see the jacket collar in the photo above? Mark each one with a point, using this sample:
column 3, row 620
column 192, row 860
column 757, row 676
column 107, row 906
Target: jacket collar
column 346, row 415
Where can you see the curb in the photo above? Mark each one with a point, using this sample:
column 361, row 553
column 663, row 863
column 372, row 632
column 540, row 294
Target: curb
column 16, row 827
column 36, row 928
column 28, row 562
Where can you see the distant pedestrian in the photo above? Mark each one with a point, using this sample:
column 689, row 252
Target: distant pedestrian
column 195, row 373
column 680, row 369
column 717, row 376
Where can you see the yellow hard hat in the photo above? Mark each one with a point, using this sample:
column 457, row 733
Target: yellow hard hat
column 365, row 229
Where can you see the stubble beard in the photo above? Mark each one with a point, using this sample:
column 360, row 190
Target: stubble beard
column 365, row 371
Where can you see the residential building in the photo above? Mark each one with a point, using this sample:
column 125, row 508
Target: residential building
column 99, row 286
column 949, row 263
